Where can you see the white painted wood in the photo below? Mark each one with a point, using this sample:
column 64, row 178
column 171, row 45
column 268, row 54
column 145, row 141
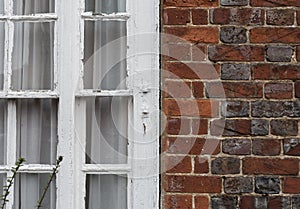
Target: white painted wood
column 28, row 94
column 68, row 32
column 106, row 168
column 103, row 16
column 104, row 93
column 143, row 32
column 31, row 18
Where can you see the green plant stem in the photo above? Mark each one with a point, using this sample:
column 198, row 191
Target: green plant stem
column 19, row 163
column 52, row 175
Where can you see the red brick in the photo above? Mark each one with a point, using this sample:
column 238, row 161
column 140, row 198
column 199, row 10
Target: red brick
column 266, row 147
column 291, row 185
column 191, row 3
column 236, row 53
column 275, row 72
column 297, row 89
column 199, row 52
column 271, row 166
column 198, row 89
column 279, row 90
column 201, row 202
column 194, row 34
column 298, row 17
column 175, row 16
column 191, row 70
column 177, row 164
column 234, row 16
column 274, row 3
column 203, row 108
column 179, row 52
column 193, row 184
column 201, row 165
column 298, row 52
column 275, row 35
column 237, row 127
column 199, row 16
column 177, row 89
column 178, row 126
column 234, row 90
column 199, row 126
column 178, row 201
column 193, row 146
column 247, row 202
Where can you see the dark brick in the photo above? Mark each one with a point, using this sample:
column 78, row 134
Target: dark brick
column 238, row 185
column 235, row 71
column 230, row 127
column 232, row 109
column 233, row 35
column 226, row 202
column 267, row 185
column 225, row 166
column 236, row 146
column 280, row 17
column 284, row 127
column 234, row 2
column 235, row 16
column 273, row 109
column 279, row 90
column 291, row 146
column 278, row 202
column 297, row 89
column 295, row 202
column 266, row 147
column 279, row 53
column 259, row 127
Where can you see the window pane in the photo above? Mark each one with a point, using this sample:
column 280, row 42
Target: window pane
column 106, row 130
column 1, row 7
column 106, row 191
column 26, row 7
column 3, row 132
column 33, row 56
column 104, row 55
column 105, row 6
column 29, row 188
column 37, row 130
column 2, row 181
column 2, row 50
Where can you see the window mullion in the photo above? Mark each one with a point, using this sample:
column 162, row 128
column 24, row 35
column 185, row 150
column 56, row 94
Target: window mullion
column 9, row 35
column 68, row 40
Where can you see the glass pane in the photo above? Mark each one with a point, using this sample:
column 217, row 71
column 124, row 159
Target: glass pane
column 3, row 132
column 33, row 56
column 1, row 6
column 2, row 51
column 27, row 7
column 106, row 130
column 105, row 55
column 105, row 6
column 30, row 188
column 2, row 182
column 37, row 130
column 106, row 191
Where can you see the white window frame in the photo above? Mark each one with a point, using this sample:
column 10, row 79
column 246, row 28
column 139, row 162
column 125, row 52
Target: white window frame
column 143, row 175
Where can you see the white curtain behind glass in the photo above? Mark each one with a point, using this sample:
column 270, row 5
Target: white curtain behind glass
column 33, row 48
column 106, row 117
column 2, row 50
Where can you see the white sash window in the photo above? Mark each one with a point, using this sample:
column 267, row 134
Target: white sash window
column 80, row 79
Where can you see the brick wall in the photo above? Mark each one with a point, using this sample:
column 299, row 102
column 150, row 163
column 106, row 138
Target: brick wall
column 230, row 96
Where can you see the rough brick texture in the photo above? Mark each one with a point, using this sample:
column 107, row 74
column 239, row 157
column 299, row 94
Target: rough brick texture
column 230, row 99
